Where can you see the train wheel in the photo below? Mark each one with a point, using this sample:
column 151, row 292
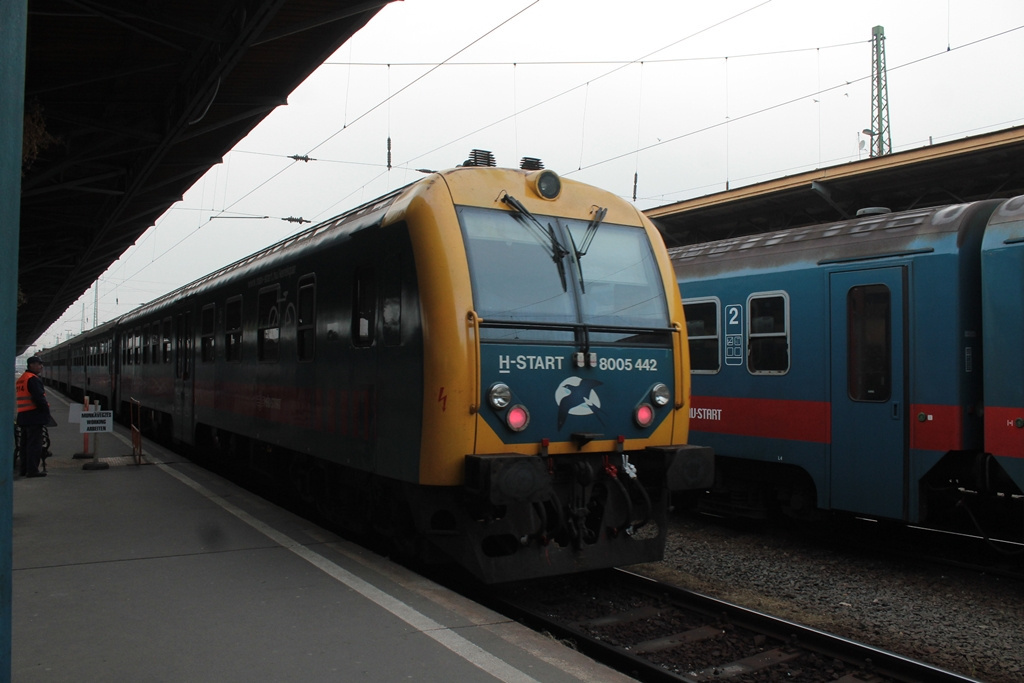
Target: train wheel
column 800, row 505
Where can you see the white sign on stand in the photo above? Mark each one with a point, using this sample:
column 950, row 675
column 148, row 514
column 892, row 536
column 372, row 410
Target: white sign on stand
column 97, row 421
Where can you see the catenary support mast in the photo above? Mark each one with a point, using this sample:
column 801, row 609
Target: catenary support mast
column 881, row 141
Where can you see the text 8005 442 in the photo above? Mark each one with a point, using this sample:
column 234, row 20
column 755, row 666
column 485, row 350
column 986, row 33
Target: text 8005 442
column 628, row 364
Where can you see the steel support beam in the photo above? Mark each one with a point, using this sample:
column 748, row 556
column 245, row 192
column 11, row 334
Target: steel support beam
column 13, row 23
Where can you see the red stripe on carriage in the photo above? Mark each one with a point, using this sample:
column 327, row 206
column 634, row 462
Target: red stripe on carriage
column 936, row 427
column 1003, row 436
column 767, row 418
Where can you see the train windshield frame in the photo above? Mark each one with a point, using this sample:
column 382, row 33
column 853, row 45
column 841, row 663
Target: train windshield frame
column 535, row 287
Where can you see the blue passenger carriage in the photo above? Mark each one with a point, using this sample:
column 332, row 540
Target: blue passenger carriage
column 1002, row 267
column 839, row 367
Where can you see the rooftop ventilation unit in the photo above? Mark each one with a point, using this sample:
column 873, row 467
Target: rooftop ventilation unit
column 480, row 157
column 531, row 164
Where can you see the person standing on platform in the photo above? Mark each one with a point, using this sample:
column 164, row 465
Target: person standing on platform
column 33, row 415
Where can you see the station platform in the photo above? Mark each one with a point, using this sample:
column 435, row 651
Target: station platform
column 166, row 572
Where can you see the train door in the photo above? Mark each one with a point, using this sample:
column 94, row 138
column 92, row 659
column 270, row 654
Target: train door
column 183, row 377
column 869, row 427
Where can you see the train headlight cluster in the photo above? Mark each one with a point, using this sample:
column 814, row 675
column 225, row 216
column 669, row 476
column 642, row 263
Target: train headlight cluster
column 646, row 411
column 499, row 397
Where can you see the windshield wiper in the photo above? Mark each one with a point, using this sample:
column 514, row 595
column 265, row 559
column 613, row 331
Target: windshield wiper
column 588, row 238
column 546, row 238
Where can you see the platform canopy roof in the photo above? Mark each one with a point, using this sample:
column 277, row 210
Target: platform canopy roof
column 128, row 103
column 969, row 169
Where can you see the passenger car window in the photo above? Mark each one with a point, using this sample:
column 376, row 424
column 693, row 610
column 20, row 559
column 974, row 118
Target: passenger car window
column 206, row 330
column 269, row 334
column 703, row 332
column 364, row 310
column 869, row 343
column 768, row 344
column 306, row 323
column 233, row 329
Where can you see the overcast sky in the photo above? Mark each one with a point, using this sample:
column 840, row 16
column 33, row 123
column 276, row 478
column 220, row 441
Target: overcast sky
column 686, row 96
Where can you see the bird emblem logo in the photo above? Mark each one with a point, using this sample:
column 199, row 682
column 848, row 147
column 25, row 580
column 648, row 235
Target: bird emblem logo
column 577, row 396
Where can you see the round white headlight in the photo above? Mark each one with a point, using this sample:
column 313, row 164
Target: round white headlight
column 499, row 396
column 660, row 395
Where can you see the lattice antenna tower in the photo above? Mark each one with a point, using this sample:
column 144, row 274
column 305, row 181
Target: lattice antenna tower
column 881, row 141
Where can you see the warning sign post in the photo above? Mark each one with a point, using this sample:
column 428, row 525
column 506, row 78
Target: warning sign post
column 92, row 421
column 97, row 421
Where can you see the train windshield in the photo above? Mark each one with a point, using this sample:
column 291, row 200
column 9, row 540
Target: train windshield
column 518, row 276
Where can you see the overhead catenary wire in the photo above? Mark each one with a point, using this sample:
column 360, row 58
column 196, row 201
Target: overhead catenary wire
column 587, row 83
column 422, row 76
column 582, row 167
column 621, row 65
column 345, row 126
column 391, row 96
column 600, row 62
column 804, row 97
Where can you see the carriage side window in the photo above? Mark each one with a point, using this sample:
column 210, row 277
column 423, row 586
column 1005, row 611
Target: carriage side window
column 702, row 331
column 233, row 329
column 869, row 343
column 154, row 342
column 364, row 309
column 306, row 323
column 166, row 343
column 768, row 344
column 206, row 344
column 183, row 345
column 269, row 334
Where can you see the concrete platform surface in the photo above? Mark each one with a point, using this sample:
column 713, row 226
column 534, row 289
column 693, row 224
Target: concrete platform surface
column 166, row 572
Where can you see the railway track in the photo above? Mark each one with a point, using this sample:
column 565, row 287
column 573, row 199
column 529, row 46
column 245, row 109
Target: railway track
column 657, row 632
column 957, row 549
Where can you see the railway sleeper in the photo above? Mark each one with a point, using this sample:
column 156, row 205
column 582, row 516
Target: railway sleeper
column 747, row 666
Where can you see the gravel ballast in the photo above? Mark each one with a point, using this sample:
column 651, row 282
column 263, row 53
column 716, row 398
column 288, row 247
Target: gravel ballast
column 967, row 622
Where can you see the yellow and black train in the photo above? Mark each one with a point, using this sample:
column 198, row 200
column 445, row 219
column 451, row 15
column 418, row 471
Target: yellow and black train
column 488, row 365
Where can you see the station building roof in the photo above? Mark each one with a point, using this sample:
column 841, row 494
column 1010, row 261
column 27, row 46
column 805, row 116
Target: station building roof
column 129, row 103
column 973, row 168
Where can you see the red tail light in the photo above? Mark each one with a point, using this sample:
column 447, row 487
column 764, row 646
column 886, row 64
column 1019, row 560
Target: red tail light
column 644, row 415
column 517, row 418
